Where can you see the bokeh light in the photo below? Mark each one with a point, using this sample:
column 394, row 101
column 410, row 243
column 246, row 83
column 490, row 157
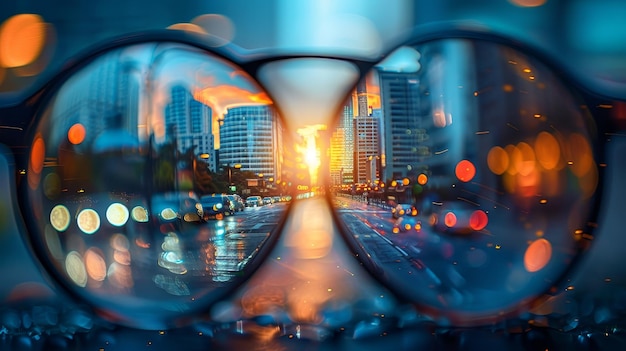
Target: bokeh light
column 117, row 214
column 95, row 264
column 76, row 134
column 523, row 159
column 75, row 269
column 60, row 218
column 37, row 154
column 217, row 26
column 478, row 220
column 547, row 150
column 465, row 171
column 498, row 160
column 422, row 179
column 88, row 221
column 528, row 3
column 537, row 255
column 580, row 156
column 22, row 38
column 450, row 219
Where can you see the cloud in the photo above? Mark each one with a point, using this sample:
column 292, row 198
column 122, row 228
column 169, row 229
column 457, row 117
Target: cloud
column 404, row 59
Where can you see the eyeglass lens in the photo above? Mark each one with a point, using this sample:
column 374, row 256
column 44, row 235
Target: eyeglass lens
column 469, row 177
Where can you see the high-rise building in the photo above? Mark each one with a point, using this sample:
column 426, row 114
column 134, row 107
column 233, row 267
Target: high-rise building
column 366, row 147
column 361, row 95
column 366, row 129
column 191, row 121
column 426, row 113
column 103, row 97
column 341, row 152
column 252, row 136
column 337, row 154
column 406, row 122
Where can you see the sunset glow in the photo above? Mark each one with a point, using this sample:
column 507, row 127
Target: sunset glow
column 222, row 97
column 309, row 150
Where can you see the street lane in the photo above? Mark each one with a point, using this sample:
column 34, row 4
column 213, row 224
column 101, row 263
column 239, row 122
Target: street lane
column 481, row 271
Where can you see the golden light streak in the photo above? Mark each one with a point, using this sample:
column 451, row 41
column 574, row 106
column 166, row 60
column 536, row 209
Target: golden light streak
column 309, row 150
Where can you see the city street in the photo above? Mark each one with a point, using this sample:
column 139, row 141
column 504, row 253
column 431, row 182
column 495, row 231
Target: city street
column 478, row 272
column 204, row 257
column 238, row 238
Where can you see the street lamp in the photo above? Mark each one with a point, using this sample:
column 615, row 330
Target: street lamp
column 261, row 182
column 230, row 172
column 204, row 157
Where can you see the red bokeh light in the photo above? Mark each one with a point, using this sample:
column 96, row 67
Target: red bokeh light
column 465, row 171
column 478, row 220
column 450, row 220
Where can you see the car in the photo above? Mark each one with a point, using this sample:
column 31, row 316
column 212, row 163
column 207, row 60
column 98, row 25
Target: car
column 407, row 224
column 400, row 210
column 455, row 217
column 254, row 201
column 216, row 206
column 267, row 200
column 237, row 203
column 176, row 206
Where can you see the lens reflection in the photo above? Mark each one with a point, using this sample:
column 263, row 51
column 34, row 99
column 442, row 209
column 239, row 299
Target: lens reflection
column 158, row 174
column 464, row 172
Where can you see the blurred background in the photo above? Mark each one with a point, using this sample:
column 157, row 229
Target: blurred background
column 587, row 37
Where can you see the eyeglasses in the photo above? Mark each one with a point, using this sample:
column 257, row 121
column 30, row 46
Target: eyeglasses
column 155, row 174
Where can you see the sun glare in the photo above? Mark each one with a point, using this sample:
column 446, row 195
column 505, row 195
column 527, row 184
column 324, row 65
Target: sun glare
column 309, row 150
column 311, row 154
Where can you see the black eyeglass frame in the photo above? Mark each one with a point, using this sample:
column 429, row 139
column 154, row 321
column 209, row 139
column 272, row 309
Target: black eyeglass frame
column 18, row 117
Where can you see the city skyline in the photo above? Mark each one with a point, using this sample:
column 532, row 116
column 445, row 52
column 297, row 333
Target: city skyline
column 153, row 90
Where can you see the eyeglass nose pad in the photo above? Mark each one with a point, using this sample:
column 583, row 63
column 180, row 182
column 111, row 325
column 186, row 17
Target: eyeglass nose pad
column 308, row 91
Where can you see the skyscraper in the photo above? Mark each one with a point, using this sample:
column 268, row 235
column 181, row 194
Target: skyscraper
column 191, row 121
column 96, row 96
column 405, row 124
column 426, row 113
column 366, row 137
column 341, row 152
column 251, row 136
column 366, row 146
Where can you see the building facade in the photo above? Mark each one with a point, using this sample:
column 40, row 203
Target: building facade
column 252, row 136
column 191, row 121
